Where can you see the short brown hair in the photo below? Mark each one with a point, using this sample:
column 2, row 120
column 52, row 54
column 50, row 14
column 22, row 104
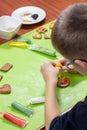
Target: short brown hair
column 69, row 34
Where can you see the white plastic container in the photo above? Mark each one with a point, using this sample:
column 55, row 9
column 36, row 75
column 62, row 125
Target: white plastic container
column 9, row 26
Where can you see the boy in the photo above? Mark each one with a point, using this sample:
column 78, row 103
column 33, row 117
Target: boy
column 69, row 37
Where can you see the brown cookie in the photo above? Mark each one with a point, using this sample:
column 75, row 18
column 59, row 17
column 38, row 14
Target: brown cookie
column 6, row 88
column 37, row 36
column 51, row 25
column 47, row 36
column 41, row 29
column 6, row 67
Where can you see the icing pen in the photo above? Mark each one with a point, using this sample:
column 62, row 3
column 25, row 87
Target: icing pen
column 20, row 39
column 14, row 119
column 37, row 100
column 41, row 49
column 18, row 44
column 20, row 107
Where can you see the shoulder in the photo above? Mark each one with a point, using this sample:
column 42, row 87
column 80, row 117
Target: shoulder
column 72, row 119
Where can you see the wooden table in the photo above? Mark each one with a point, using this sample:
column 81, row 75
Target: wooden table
column 52, row 8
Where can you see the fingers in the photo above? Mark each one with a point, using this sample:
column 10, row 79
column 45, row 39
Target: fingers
column 62, row 61
column 50, row 66
column 58, row 65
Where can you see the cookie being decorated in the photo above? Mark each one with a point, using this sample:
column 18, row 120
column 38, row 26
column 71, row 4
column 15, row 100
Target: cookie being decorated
column 63, row 81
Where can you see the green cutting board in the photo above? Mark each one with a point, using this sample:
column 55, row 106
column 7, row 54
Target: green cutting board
column 27, row 82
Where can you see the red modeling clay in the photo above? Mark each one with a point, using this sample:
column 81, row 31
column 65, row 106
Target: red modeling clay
column 63, row 81
column 14, row 119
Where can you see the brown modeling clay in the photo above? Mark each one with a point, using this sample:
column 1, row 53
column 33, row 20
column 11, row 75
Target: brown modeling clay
column 6, row 88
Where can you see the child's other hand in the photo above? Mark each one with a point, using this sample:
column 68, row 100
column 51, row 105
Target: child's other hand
column 63, row 61
column 50, row 72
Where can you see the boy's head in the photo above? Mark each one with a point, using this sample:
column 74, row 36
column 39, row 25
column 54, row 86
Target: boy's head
column 69, row 35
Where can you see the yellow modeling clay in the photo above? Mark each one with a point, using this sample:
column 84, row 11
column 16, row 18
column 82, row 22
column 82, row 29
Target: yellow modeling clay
column 18, row 44
column 59, row 65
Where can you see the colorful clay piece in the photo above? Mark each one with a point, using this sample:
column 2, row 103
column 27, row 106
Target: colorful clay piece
column 5, row 89
column 63, row 81
column 6, row 67
column 37, row 100
column 41, row 29
column 14, row 119
column 59, row 65
column 37, row 36
column 38, row 48
column 25, row 110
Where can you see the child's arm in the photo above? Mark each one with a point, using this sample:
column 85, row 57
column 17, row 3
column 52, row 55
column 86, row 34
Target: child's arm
column 50, row 75
column 51, row 105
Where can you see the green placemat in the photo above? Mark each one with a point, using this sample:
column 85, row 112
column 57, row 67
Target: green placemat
column 27, row 82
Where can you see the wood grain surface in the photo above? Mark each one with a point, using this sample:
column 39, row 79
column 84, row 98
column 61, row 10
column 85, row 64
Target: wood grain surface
column 52, row 8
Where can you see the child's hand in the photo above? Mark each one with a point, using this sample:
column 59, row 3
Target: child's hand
column 50, row 72
column 63, row 61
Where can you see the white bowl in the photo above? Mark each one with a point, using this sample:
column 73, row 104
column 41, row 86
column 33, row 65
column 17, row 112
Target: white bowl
column 9, row 26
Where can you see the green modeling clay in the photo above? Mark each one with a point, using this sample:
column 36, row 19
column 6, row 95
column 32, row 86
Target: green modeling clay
column 20, row 107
